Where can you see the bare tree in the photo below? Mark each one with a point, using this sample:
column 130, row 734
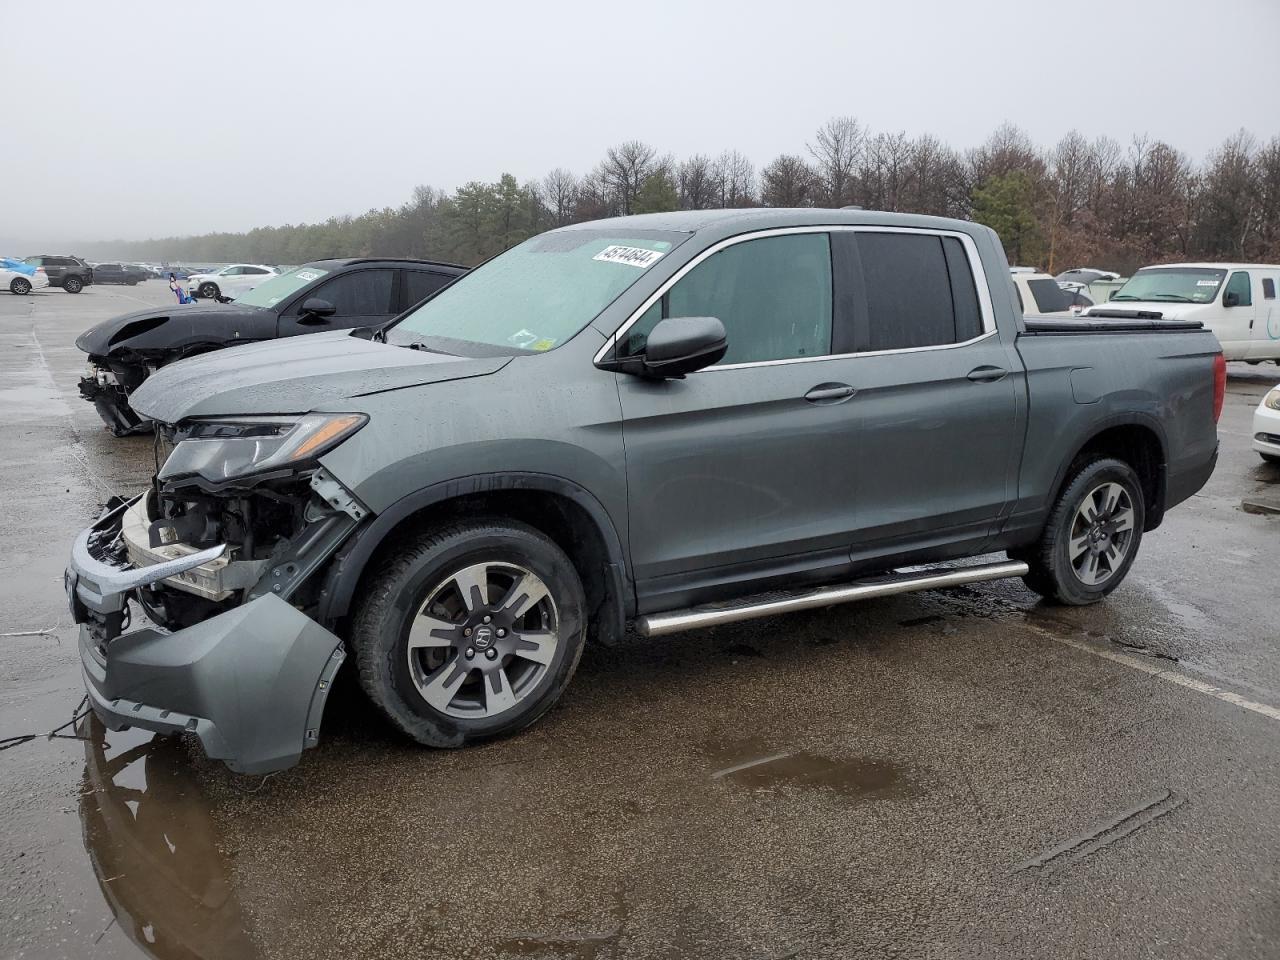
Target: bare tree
column 788, row 182
column 835, row 150
column 733, row 178
column 624, row 171
column 695, row 183
column 559, row 190
column 883, row 171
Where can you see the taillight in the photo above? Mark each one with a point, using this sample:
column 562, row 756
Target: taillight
column 1219, row 385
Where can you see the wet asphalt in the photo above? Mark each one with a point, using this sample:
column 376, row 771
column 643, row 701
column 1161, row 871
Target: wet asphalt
column 964, row 773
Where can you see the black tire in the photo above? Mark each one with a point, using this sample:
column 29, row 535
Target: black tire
column 72, row 284
column 132, row 281
column 1270, row 458
column 208, row 290
column 20, row 285
column 1053, row 574
column 418, row 570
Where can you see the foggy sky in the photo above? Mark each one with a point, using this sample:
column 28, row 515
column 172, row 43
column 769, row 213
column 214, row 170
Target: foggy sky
column 152, row 119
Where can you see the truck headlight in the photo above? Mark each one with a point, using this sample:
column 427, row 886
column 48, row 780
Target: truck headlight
column 230, row 447
column 1272, row 399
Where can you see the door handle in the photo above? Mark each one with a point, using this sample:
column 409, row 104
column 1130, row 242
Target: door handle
column 987, row 374
column 830, row 393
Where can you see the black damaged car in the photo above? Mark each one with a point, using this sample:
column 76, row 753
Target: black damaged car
column 322, row 295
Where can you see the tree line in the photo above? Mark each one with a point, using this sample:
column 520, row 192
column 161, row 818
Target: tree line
column 1079, row 202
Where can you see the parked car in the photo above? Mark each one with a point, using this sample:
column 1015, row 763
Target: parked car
column 70, row 273
column 231, row 281
column 1266, row 427
column 681, row 419
column 1095, row 285
column 325, row 295
column 21, row 278
column 1040, row 295
column 117, row 273
column 1237, row 301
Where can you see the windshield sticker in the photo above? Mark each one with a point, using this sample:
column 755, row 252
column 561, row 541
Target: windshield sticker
column 1206, row 283
column 546, row 343
column 307, row 275
column 632, row 256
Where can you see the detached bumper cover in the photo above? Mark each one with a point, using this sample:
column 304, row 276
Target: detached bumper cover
column 251, row 683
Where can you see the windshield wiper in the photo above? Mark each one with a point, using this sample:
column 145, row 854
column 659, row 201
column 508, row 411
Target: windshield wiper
column 1176, row 297
column 1125, row 296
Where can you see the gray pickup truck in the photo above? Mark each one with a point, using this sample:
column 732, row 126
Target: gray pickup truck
column 677, row 420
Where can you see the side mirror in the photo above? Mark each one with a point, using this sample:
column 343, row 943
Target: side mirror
column 1231, row 299
column 677, row 346
column 316, row 308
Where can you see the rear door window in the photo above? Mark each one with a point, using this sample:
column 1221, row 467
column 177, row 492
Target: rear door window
column 918, row 289
column 1049, row 297
column 1268, row 288
column 420, row 284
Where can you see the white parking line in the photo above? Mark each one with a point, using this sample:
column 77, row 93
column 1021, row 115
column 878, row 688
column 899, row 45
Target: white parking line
column 1171, row 676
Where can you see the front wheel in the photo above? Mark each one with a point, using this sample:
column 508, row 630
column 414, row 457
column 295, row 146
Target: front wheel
column 208, row 290
column 1270, row 457
column 469, row 631
column 20, row 285
column 73, row 284
column 1091, row 537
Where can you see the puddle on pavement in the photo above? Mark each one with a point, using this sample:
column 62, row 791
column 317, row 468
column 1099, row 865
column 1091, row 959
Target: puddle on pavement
column 154, row 850
column 853, row 778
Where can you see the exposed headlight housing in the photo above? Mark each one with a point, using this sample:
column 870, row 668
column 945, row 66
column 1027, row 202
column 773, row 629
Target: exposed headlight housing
column 1272, row 399
column 231, row 447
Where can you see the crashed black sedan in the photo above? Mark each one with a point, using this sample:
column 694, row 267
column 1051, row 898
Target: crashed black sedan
column 323, row 295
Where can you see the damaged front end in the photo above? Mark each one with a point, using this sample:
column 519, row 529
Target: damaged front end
column 107, row 385
column 220, row 555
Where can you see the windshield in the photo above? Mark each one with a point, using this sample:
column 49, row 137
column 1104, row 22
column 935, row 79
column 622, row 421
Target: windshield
column 1172, row 285
column 273, row 290
column 537, row 295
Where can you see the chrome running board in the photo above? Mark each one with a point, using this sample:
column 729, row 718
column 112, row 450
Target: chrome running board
column 900, row 581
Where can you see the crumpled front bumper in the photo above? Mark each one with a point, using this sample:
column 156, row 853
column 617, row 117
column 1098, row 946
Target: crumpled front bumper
column 250, row 683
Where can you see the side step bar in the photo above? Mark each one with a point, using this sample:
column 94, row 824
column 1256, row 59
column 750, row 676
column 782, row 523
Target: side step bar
column 903, row 581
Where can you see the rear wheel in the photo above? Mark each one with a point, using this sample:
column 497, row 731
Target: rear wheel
column 208, row 290
column 1091, row 537
column 72, row 284
column 470, row 631
column 20, row 285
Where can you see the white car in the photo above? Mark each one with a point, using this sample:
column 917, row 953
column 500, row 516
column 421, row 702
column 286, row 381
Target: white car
column 1266, row 427
column 18, row 281
column 1237, row 301
column 231, row 281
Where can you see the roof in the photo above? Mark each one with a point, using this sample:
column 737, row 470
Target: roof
column 764, row 218
column 334, row 263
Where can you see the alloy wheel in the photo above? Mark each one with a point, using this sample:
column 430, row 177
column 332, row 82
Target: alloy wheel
column 1101, row 533
column 483, row 640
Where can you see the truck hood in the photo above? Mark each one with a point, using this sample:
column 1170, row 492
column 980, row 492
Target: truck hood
column 295, row 375
column 165, row 328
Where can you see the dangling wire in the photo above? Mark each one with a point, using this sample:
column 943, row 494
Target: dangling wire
column 54, row 734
